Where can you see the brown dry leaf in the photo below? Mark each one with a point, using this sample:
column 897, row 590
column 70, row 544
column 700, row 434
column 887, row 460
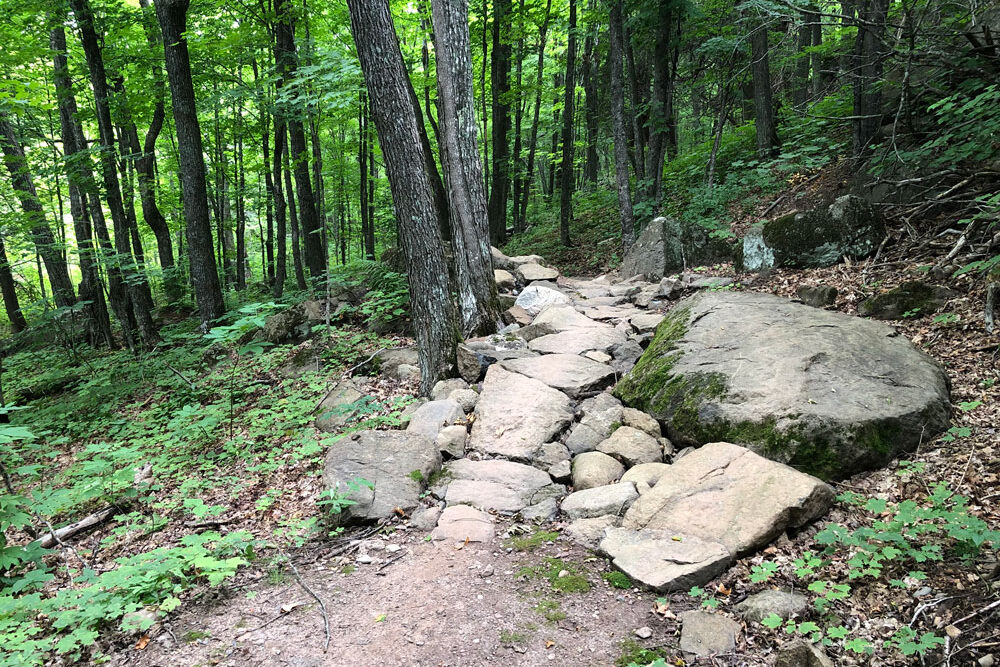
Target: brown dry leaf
column 142, row 643
column 549, row 643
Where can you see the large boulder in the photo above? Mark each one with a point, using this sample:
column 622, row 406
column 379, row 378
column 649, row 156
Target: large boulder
column 395, row 464
column 667, row 246
column 850, row 227
column 340, row 406
column 578, row 341
column 730, row 495
column 516, row 415
column 536, row 298
column 826, row 393
column 503, row 486
column 570, row 373
column 430, row 418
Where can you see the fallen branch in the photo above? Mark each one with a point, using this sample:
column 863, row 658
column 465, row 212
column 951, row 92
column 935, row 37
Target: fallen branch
column 181, row 376
column 989, row 607
column 322, row 606
column 54, row 537
column 991, row 304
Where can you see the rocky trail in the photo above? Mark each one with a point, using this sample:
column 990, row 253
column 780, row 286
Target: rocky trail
column 573, row 449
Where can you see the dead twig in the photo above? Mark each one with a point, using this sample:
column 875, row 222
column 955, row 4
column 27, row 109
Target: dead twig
column 322, row 606
column 181, row 376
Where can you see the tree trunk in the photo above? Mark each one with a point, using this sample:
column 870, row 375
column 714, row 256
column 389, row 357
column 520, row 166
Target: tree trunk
column 363, row 157
column 293, row 219
column 768, row 143
column 500, row 80
column 287, row 66
column 615, row 62
column 172, row 15
column 135, row 282
column 91, row 291
column 533, row 143
column 41, row 233
column 638, row 85
column 477, row 293
column 566, row 167
column 268, row 183
column 661, row 106
column 9, row 290
column 591, row 162
column 869, row 53
column 557, row 82
column 434, row 319
column 516, row 164
column 280, row 210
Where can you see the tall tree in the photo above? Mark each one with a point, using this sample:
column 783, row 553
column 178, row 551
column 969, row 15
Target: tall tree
column 590, row 108
column 95, row 308
column 566, row 167
column 763, row 101
column 434, row 319
column 616, row 63
column 172, row 15
column 9, row 290
column 135, row 283
column 45, row 242
column 500, row 79
column 529, row 171
column 477, row 292
column 285, row 56
column 869, row 53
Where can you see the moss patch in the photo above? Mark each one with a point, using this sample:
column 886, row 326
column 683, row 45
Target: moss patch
column 617, row 579
column 571, row 581
column 533, row 541
column 634, row 653
column 550, row 610
column 655, row 367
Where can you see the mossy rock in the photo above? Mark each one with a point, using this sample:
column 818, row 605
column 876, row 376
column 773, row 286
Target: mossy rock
column 911, row 299
column 826, row 393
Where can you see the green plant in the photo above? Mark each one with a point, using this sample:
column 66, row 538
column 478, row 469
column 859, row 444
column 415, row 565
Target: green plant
column 533, row 541
column 632, row 653
column 617, row 580
column 551, row 610
column 708, row 600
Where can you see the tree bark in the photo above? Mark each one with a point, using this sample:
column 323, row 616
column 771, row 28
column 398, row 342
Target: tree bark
column 768, row 143
column 500, row 80
column 9, row 291
column 91, row 291
column 280, row 210
column 294, row 219
column 533, row 143
column 287, row 67
column 869, row 54
column 517, row 177
column 41, row 233
column 566, row 167
column 591, row 162
column 477, row 293
column 616, row 63
column 172, row 15
column 433, row 313
column 661, row 112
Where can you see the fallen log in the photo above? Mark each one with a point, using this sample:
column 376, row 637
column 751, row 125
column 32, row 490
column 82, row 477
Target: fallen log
column 51, row 539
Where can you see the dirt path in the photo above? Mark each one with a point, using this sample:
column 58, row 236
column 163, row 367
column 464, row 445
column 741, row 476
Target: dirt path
column 440, row 603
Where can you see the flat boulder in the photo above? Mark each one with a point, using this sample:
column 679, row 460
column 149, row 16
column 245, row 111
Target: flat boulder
column 911, row 299
column 395, row 464
column 531, row 272
column 664, row 560
column 504, row 279
column 612, row 499
column 498, row 485
column 570, row 373
column 704, row 634
column 827, row 393
column 431, row 417
column 562, row 318
column 632, row 447
column 516, row 415
column 578, row 341
column 340, row 406
column 462, row 523
column 850, row 227
column 728, row 494
column 667, row 245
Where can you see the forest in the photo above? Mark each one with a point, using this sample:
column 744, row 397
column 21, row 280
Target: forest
column 235, row 235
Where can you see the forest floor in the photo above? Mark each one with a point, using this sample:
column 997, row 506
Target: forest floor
column 436, row 603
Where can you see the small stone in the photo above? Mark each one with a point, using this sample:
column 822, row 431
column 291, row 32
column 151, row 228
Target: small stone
column 817, row 296
column 645, row 632
column 563, row 573
column 800, row 653
column 504, row 279
column 543, row 511
column 986, row 661
column 783, row 603
column 466, row 398
column 704, row 634
column 464, row 524
column 392, row 548
column 599, row 357
column 444, row 388
column 592, row 469
column 612, row 499
column 588, row 533
column 364, row 559
column 561, row 472
column 408, row 373
column 451, row 441
column 425, row 518
column 488, row 571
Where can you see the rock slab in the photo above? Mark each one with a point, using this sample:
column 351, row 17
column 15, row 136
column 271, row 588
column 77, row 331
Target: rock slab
column 570, row 373
column 664, row 560
column 704, row 634
column 462, row 523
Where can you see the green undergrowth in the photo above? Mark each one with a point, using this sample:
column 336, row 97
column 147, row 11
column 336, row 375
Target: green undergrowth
column 533, row 541
column 572, row 579
column 222, row 431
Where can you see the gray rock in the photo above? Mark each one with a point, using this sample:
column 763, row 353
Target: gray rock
column 472, row 363
column 430, row 418
column 588, row 533
column 498, row 485
column 339, row 407
column 645, row 632
column 550, row 454
column 646, row 296
column 407, row 413
column 561, row 472
column 451, row 441
column 444, row 388
column 730, row 495
column 593, row 469
column 612, row 499
column 536, row 298
column 541, row 512
column 500, row 260
column 668, row 288
column 408, row 373
column 783, row 603
column 665, row 560
column 817, row 296
column 570, row 373
column 518, row 260
column 516, row 415
column 704, row 634
column 631, row 447
column 640, row 420
column 461, row 523
column 562, row 318
column 666, row 246
column 396, row 463
column 517, row 315
column 850, row 227
column 646, row 321
column 645, row 475
column 504, row 279
column 282, row 326
column 389, row 360
column 531, row 272
column 697, row 281
column 599, row 357
column 911, row 299
column 800, row 653
column 467, row 398
column 601, row 415
column 827, row 393
column 425, row 518
column 577, row 341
